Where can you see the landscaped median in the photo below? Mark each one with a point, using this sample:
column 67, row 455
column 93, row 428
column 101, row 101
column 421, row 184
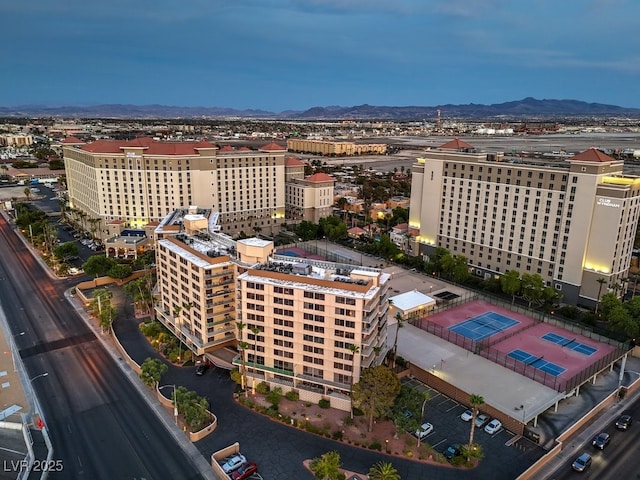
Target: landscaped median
column 190, row 410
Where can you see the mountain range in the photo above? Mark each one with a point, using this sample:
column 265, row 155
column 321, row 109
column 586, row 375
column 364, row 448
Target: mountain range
column 518, row 109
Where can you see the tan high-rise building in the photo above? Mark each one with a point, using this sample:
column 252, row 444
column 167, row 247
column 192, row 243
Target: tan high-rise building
column 573, row 221
column 303, row 320
column 140, row 181
column 196, row 272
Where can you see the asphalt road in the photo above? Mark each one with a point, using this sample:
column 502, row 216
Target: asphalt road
column 619, row 460
column 100, row 425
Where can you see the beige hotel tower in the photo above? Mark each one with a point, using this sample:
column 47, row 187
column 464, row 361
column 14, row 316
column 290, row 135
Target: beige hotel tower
column 571, row 221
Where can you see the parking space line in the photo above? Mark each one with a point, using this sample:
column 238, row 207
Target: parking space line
column 454, row 407
column 439, row 443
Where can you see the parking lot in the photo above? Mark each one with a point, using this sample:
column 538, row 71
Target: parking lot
column 501, row 449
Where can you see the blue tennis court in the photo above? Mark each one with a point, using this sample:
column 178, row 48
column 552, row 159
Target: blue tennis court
column 536, row 362
column 569, row 343
column 483, row 326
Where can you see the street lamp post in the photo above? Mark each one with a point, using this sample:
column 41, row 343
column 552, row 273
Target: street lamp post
column 175, row 401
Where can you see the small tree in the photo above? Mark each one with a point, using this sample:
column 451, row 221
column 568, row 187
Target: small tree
column 510, row 283
column 376, row 391
column 601, row 282
column 65, row 251
column 327, row 466
column 98, row 265
column 152, row 370
column 120, row 271
column 383, row 471
column 274, row 396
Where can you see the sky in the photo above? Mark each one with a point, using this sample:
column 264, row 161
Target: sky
column 279, row 55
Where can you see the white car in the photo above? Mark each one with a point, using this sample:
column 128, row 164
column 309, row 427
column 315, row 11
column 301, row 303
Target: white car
column 467, row 415
column 481, row 420
column 493, row 426
column 424, row 430
column 234, row 463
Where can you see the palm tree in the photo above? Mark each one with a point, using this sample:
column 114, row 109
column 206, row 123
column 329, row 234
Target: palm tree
column 27, row 193
column 475, row 401
column 242, row 346
column 176, row 313
column 601, row 282
column 399, row 325
column 93, row 222
column 256, row 332
column 383, row 471
column 354, row 349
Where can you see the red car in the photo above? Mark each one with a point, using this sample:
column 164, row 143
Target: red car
column 245, row 471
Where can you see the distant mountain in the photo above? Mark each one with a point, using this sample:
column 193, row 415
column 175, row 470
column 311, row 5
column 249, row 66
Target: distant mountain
column 525, row 108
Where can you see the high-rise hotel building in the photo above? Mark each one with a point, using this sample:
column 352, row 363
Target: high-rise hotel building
column 137, row 182
column 572, row 221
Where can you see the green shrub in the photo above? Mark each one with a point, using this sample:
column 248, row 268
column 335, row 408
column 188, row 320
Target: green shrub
column 324, row 403
column 342, row 476
column 337, row 435
column 272, row 411
column 274, row 396
column 262, row 388
column 348, row 421
column 375, row 445
column 357, row 412
column 292, row 395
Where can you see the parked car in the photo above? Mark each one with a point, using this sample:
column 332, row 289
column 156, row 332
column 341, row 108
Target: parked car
column 481, row 420
column 202, row 368
column 424, row 430
column 582, row 462
column 233, row 463
column 624, row 422
column 601, row 440
column 493, row 426
column 452, row 451
column 467, row 415
column 245, row 471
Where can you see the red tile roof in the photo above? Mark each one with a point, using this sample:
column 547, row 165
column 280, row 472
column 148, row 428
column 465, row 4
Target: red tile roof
column 401, row 226
column 227, row 148
column 592, row 155
column 272, row 147
column 245, row 149
column 293, row 162
column 455, row 144
column 149, row 145
column 320, row 177
column 72, row 140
